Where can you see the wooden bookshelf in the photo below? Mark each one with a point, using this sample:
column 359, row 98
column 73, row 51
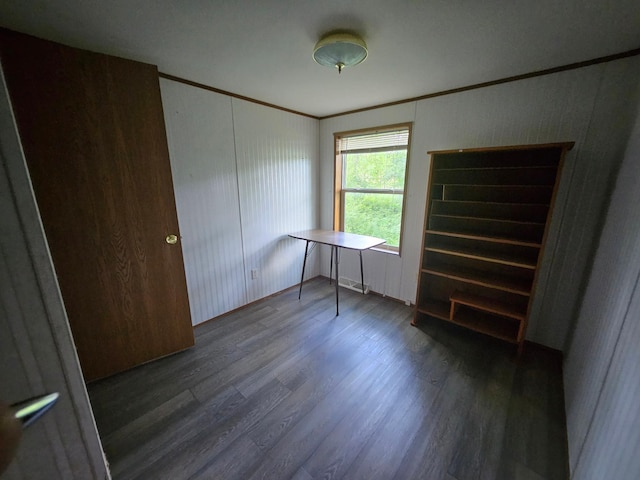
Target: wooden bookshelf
column 486, row 222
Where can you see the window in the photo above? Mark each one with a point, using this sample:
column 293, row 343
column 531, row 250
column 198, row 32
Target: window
column 370, row 182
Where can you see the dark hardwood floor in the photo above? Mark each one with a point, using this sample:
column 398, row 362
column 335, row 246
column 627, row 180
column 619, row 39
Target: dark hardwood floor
column 283, row 389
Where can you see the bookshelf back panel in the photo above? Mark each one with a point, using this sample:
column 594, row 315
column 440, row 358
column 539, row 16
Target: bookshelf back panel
column 500, row 194
column 490, row 250
column 521, row 231
column 501, row 211
column 499, row 158
column 496, row 176
column 479, row 269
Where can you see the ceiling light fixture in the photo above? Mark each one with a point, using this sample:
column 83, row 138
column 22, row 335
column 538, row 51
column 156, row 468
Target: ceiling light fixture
column 340, row 50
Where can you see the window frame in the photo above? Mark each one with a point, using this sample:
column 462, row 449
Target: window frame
column 338, row 179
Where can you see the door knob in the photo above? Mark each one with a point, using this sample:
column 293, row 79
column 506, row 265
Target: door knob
column 171, row 239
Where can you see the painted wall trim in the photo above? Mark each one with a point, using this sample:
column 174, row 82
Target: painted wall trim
column 515, row 78
column 231, row 94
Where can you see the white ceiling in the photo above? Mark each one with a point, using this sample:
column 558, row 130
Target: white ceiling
column 262, row 48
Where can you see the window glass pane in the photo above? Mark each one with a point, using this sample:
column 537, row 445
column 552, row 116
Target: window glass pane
column 374, row 214
column 380, row 170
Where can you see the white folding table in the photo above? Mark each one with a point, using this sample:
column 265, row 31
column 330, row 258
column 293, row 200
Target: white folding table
column 336, row 240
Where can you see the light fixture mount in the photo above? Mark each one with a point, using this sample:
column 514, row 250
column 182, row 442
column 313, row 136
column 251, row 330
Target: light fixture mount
column 340, row 50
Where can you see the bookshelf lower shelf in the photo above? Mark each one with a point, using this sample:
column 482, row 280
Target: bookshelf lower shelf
column 486, row 323
column 434, row 308
column 485, row 304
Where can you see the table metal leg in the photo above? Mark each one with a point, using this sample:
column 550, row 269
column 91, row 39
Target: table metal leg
column 331, row 266
column 337, row 277
column 361, row 273
column 304, row 264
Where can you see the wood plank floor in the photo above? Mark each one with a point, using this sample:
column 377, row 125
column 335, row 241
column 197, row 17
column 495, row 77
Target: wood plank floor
column 283, row 389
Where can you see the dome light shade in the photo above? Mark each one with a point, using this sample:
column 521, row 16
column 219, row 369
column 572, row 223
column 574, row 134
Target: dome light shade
column 340, row 50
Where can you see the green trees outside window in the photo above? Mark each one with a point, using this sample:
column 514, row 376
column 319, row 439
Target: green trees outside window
column 373, row 187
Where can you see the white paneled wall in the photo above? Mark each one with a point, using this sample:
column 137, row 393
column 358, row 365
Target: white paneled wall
column 244, row 176
column 602, row 383
column 587, row 194
column 589, row 106
column 277, row 155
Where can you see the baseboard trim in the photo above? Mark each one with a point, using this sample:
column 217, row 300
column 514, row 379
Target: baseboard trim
column 247, row 305
column 540, row 346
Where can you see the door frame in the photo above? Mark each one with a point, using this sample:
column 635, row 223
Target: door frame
column 39, row 354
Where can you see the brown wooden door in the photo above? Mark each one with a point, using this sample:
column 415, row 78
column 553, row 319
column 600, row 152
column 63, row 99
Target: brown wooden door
column 93, row 133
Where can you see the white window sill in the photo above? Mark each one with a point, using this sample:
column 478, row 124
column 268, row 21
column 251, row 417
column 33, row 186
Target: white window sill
column 384, row 250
